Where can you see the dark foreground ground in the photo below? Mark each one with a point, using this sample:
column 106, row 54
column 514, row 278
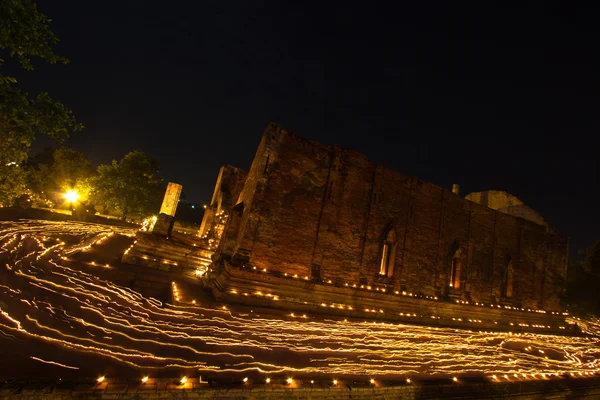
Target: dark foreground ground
column 71, row 312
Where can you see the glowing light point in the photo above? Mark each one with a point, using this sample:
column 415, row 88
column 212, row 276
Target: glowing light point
column 71, row 196
column 372, row 381
column 455, row 379
column 100, row 379
column 145, row 379
column 183, row 380
column 245, row 379
column 268, row 380
column 335, row 382
column 290, row 381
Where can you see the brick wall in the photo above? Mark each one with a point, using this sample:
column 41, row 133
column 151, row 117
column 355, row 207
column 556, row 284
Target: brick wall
column 324, row 212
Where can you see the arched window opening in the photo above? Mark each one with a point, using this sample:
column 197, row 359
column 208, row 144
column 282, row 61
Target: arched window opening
column 508, row 281
column 385, row 259
column 386, row 267
column 455, row 269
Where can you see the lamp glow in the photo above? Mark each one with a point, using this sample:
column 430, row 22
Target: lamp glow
column 71, row 196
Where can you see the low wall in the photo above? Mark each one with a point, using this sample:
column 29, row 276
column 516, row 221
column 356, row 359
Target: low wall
column 560, row 388
column 249, row 285
column 175, row 254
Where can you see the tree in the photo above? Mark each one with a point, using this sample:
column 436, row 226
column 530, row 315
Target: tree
column 55, row 171
column 591, row 263
column 26, row 33
column 583, row 279
column 131, row 186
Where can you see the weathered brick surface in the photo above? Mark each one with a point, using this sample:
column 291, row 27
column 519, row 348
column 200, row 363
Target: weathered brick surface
column 324, row 212
column 230, row 183
column 507, row 203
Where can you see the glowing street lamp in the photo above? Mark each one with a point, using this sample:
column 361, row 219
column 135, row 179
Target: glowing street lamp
column 71, row 196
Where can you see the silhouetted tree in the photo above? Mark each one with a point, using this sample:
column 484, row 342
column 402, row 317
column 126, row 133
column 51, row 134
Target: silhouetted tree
column 26, row 33
column 55, row 171
column 583, row 281
column 131, row 186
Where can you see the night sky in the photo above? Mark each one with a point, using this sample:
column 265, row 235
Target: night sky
column 490, row 96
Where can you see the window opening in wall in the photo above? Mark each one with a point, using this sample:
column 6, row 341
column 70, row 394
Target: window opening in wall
column 455, row 270
column 386, row 268
column 316, row 271
column 385, row 259
column 507, row 290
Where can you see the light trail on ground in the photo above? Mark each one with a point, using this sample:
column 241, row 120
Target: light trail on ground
column 46, row 299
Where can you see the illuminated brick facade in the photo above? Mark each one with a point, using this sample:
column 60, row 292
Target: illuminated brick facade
column 328, row 214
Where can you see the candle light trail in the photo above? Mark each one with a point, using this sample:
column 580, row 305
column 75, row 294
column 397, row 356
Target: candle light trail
column 46, row 300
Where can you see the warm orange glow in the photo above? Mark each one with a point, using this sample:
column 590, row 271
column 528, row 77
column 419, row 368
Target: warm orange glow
column 100, row 379
column 145, row 379
column 183, row 380
column 71, row 196
column 154, row 335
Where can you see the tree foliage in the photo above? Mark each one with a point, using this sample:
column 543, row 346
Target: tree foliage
column 591, row 262
column 26, row 33
column 55, row 171
column 583, row 280
column 131, row 186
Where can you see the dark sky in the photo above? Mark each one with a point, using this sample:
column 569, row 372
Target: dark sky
column 491, row 96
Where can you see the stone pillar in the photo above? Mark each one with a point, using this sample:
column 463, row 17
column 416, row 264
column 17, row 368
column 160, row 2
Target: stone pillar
column 207, row 221
column 456, row 189
column 171, row 199
column 163, row 225
column 166, row 218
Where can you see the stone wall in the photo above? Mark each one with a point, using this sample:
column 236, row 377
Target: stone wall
column 506, row 203
column 326, row 212
column 477, row 387
column 230, row 183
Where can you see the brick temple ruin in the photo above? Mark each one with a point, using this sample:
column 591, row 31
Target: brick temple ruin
column 318, row 228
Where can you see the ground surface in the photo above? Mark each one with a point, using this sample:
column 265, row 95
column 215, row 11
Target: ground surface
column 69, row 309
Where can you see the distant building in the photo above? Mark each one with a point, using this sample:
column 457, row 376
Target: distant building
column 326, row 227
